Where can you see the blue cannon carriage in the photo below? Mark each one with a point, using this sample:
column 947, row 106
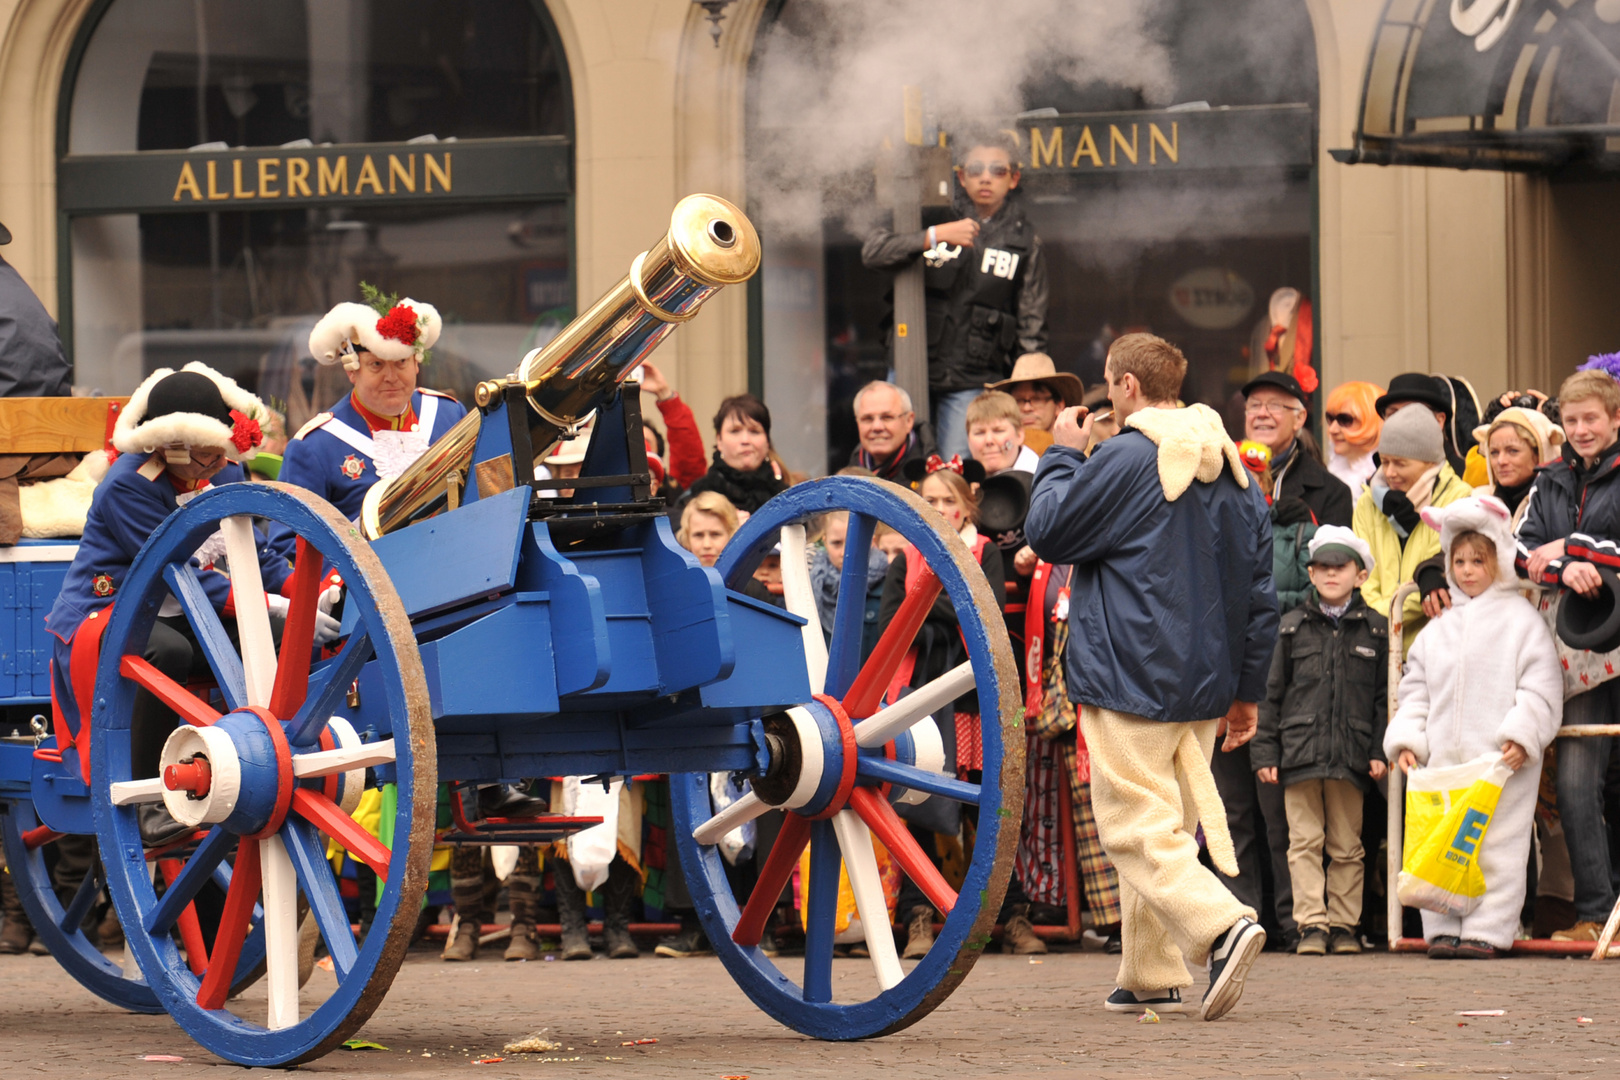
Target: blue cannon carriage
column 497, row 626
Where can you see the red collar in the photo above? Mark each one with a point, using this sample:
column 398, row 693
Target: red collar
column 405, row 421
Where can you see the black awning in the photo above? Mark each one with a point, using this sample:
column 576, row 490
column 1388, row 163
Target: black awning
column 1517, row 85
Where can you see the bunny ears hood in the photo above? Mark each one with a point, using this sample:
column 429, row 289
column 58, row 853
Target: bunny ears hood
column 1484, row 514
column 196, row 406
column 409, row 329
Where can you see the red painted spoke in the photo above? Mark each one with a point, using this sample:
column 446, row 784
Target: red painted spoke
column 866, row 692
column 190, row 929
column 773, row 878
column 192, row 709
column 233, row 927
column 330, row 819
column 881, row 819
column 298, row 636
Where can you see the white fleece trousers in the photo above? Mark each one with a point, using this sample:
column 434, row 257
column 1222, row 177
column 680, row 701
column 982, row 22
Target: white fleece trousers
column 1172, row 907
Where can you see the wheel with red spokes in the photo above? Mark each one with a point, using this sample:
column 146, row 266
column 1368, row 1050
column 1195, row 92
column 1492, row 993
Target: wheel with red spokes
column 842, row 754
column 269, row 780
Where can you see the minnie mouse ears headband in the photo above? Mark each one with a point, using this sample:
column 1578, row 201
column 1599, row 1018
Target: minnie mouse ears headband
column 916, row 469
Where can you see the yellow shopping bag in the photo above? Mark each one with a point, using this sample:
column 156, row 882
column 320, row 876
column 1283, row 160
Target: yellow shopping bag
column 1448, row 811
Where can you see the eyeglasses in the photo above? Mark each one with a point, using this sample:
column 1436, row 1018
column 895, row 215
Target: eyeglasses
column 881, row 418
column 1275, row 408
column 1343, row 419
column 1033, row 397
column 994, row 168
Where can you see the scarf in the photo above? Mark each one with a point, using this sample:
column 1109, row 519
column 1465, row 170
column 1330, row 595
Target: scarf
column 889, row 469
column 825, row 579
column 1512, row 496
column 747, row 490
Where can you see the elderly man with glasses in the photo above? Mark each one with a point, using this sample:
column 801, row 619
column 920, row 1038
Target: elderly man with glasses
column 1274, row 413
column 984, row 277
column 889, row 432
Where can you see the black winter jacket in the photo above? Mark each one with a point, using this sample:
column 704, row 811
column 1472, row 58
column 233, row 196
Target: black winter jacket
column 1327, row 698
column 1566, row 497
column 1308, row 480
column 986, row 304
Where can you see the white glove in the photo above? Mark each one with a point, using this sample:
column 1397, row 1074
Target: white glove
column 277, row 604
column 326, row 628
column 330, row 597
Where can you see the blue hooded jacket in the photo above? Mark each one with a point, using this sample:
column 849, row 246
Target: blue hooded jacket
column 1173, row 613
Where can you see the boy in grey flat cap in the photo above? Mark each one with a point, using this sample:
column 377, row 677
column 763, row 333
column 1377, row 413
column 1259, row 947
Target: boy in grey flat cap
column 1321, row 736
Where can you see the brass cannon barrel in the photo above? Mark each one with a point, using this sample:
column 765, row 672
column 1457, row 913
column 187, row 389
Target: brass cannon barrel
column 710, row 244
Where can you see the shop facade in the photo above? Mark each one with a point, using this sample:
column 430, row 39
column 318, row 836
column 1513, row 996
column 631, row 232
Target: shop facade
column 562, row 132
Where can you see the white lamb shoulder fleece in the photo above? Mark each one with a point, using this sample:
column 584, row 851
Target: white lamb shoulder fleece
column 1486, row 671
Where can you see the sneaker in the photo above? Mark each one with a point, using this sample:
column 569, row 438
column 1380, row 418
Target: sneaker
column 1115, row 944
column 1129, row 1001
column 1581, row 931
column 38, row 948
column 1230, row 959
column 109, row 934
column 1313, row 941
column 1342, row 941
column 15, row 936
column 919, row 933
column 689, row 942
column 1444, row 947
column 1476, row 950
column 769, row 945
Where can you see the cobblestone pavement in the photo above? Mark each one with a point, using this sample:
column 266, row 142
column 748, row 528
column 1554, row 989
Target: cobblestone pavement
column 1312, row 1018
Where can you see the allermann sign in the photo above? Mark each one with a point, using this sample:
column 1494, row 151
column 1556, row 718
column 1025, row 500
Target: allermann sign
column 277, row 177
column 1241, row 137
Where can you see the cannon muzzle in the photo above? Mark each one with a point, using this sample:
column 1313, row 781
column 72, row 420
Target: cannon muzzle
column 710, row 244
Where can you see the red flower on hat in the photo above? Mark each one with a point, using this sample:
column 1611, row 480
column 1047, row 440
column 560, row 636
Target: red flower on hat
column 400, row 325
column 245, row 432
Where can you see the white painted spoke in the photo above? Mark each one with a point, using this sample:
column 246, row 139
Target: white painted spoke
column 855, row 841
column 744, row 810
column 126, row 792
column 801, row 600
column 343, row 759
column 883, row 725
column 280, row 884
column 252, row 616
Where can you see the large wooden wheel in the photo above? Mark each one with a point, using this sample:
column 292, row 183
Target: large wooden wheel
column 270, row 780
column 843, row 754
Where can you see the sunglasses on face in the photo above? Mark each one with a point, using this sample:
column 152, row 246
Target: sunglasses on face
column 994, row 168
column 1343, row 419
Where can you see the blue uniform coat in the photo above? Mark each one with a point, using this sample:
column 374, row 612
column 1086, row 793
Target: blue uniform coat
column 1172, row 612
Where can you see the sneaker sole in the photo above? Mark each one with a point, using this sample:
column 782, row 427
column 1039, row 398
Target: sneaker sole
column 1226, row 993
column 1142, row 1006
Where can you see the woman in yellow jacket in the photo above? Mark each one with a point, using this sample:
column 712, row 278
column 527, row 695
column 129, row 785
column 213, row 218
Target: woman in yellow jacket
column 1412, row 474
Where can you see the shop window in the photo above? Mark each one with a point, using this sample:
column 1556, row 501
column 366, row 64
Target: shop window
column 231, row 170
column 1182, row 221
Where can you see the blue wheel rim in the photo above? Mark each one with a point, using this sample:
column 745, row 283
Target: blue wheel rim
column 370, row 964
column 967, row 929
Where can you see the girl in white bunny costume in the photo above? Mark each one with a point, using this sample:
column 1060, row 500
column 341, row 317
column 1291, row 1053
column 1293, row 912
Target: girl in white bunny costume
column 1483, row 678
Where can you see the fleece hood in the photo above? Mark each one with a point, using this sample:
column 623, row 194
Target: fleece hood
column 1193, row 445
column 1549, row 436
column 1484, row 514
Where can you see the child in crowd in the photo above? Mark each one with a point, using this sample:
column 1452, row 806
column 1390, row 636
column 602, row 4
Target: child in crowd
column 1482, row 678
column 995, row 433
column 1321, row 736
column 826, row 575
column 1413, row 475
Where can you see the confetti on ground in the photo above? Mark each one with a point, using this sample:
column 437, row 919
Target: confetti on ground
column 362, row 1044
column 639, row 1042
column 1583, row 1019
column 1148, row 1017
column 489, row 1061
column 325, row 963
column 743, row 1076
column 1483, row 1012
column 163, row 1057
column 534, row 1044
column 1034, row 961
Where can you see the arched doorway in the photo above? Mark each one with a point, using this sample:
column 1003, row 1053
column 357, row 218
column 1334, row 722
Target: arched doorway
column 228, row 171
column 1169, row 168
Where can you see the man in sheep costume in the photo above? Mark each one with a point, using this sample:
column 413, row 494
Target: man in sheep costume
column 182, row 431
column 1483, row 675
column 386, row 422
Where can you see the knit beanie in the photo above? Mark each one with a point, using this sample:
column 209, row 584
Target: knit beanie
column 1412, row 433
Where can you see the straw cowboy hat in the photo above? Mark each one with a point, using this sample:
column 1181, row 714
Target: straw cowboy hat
column 1038, row 367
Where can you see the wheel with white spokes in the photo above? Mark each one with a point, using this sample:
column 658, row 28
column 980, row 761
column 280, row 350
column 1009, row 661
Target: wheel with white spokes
column 267, row 781
column 840, row 754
